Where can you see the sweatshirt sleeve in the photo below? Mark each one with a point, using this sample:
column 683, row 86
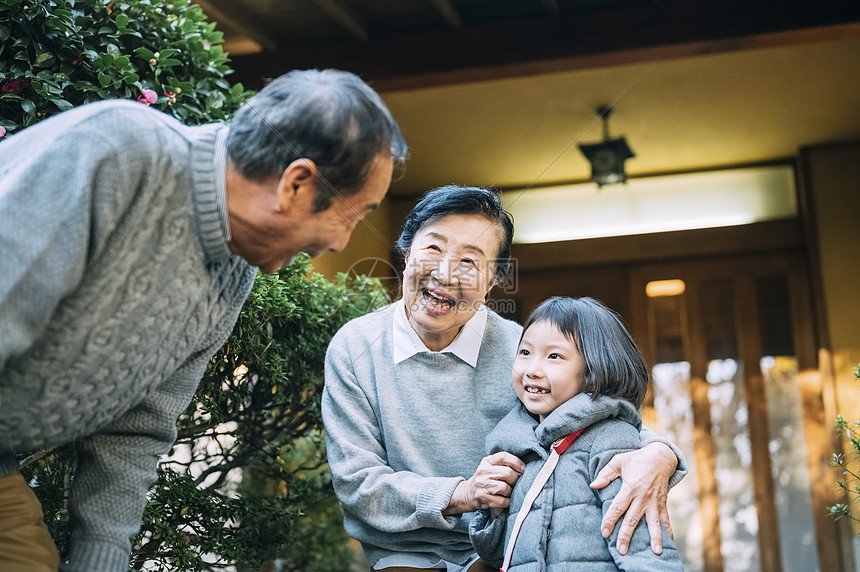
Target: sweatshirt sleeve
column 648, row 436
column 117, row 465
column 622, row 438
column 367, row 487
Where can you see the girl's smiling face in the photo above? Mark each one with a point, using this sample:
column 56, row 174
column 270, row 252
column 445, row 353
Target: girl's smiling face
column 548, row 369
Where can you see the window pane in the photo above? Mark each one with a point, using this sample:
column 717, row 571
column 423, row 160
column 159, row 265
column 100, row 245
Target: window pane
column 653, row 204
column 675, row 422
column 729, row 426
column 789, row 461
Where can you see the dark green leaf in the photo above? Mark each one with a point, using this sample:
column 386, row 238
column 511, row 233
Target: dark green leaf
column 28, row 106
column 104, row 80
column 144, row 53
column 43, row 60
column 122, row 21
column 62, row 104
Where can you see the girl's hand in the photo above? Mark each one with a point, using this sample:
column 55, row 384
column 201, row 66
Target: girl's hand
column 490, row 486
column 645, row 488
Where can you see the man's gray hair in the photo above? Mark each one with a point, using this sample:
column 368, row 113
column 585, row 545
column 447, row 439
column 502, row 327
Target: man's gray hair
column 328, row 116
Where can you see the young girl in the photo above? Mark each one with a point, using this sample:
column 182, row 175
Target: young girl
column 580, row 380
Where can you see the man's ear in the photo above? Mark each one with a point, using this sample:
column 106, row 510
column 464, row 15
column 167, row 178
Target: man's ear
column 298, row 183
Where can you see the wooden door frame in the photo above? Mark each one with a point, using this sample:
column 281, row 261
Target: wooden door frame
column 816, row 427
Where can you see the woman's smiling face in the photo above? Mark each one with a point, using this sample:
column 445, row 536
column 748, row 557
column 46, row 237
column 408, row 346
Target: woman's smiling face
column 449, row 272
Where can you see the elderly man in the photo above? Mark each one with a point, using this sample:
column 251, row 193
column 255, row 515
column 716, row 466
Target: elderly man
column 129, row 244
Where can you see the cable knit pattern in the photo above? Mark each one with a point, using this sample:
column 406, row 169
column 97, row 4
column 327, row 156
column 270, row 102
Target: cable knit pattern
column 118, row 288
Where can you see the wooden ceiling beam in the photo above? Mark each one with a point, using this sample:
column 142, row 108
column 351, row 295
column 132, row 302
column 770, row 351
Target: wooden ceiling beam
column 341, row 14
column 449, row 12
column 623, row 34
column 551, row 7
column 237, row 17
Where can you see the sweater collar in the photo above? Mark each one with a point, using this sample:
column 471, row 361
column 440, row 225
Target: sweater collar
column 208, row 175
column 582, row 411
column 520, row 432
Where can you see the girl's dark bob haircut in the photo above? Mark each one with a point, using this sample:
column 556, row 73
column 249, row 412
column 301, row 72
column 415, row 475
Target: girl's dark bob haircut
column 614, row 365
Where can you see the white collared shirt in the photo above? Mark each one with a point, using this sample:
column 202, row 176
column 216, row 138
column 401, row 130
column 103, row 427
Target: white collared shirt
column 466, row 346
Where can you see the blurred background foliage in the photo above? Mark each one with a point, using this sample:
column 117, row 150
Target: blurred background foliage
column 849, row 464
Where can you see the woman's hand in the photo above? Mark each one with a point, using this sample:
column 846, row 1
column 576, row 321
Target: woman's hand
column 645, row 474
column 490, row 486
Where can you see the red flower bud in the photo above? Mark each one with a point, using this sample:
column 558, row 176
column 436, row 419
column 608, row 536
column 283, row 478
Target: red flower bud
column 2, row 132
column 15, row 85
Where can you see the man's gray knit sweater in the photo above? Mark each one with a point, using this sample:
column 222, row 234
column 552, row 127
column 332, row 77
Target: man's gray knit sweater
column 116, row 288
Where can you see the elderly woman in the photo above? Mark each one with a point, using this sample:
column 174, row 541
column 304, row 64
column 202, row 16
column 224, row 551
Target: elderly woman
column 413, row 389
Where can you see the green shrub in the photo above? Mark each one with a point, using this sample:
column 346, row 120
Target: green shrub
column 57, row 54
column 251, row 484
column 850, row 484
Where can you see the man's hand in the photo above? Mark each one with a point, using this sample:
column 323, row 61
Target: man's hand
column 645, row 474
column 489, row 487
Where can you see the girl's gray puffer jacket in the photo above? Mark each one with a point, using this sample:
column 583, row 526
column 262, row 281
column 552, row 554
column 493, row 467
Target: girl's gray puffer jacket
column 562, row 531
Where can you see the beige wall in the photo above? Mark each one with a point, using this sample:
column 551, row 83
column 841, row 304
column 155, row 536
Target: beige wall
column 833, row 175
